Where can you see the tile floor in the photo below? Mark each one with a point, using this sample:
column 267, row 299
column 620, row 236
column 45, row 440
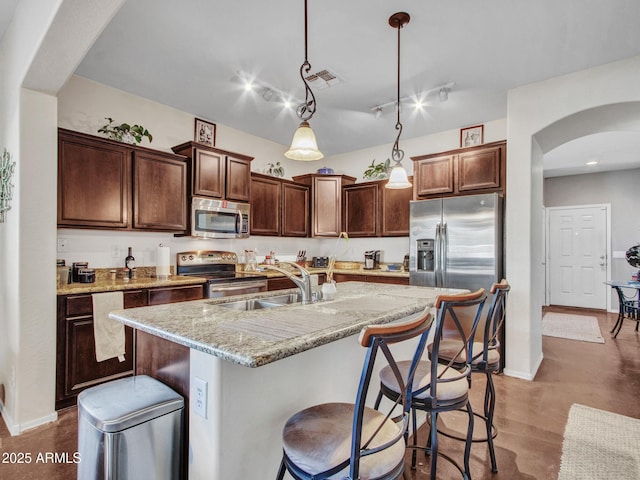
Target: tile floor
column 530, row 416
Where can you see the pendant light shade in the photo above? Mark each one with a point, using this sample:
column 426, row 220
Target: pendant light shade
column 398, row 178
column 304, row 146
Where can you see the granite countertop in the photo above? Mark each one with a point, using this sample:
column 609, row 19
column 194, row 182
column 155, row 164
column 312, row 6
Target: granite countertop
column 107, row 285
column 258, row 337
column 380, row 272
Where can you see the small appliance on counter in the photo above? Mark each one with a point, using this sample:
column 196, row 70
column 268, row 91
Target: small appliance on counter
column 75, row 269
column 372, row 259
column 86, row 275
column 320, row 262
column 405, row 263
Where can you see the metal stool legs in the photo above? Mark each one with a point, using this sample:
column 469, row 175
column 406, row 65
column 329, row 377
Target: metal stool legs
column 489, row 408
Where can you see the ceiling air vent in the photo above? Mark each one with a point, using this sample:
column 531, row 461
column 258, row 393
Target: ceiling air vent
column 323, row 79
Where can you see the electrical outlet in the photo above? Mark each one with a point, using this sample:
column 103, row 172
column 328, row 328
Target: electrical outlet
column 62, row 244
column 200, row 397
column 115, row 252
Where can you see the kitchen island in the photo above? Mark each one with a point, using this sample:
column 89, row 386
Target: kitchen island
column 260, row 366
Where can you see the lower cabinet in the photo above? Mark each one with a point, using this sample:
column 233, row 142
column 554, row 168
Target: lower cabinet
column 76, row 365
column 357, row 277
column 282, row 283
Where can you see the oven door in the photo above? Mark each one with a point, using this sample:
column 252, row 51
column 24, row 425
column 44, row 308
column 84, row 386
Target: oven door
column 217, row 290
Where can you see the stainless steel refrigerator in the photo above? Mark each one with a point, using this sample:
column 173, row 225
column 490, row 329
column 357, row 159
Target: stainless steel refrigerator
column 456, row 242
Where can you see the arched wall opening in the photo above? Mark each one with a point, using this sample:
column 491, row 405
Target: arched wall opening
column 541, row 117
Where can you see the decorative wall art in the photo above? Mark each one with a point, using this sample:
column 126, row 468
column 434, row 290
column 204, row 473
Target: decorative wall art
column 7, row 167
column 471, row 136
column 205, row 133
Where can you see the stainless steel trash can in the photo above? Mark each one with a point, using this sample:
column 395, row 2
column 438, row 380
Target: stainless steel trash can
column 130, row 429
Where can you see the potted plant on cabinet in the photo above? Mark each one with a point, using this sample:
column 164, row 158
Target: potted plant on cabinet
column 124, row 132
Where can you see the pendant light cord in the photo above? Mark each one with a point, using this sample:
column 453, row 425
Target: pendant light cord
column 306, row 110
column 396, row 153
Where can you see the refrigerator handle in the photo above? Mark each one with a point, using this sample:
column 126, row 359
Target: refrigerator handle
column 445, row 248
column 437, row 261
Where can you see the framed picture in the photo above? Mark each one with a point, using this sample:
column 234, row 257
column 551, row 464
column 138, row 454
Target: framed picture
column 471, row 136
column 205, row 133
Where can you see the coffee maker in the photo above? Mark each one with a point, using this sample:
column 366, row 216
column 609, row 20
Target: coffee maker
column 372, row 259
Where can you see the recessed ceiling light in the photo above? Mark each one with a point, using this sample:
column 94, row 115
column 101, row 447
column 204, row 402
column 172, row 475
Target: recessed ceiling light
column 592, row 162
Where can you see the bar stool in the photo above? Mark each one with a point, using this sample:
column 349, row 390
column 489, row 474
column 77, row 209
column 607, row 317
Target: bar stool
column 438, row 386
column 485, row 359
column 333, row 440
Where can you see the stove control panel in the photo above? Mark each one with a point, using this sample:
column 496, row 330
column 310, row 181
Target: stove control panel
column 206, row 257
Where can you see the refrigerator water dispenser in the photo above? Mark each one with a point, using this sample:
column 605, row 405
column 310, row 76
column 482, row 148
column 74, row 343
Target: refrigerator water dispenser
column 425, row 254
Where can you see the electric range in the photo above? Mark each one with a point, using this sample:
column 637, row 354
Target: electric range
column 219, row 268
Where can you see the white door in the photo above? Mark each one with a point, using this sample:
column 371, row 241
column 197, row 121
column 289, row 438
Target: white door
column 578, row 256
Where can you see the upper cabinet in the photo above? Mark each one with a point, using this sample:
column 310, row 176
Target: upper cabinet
column 326, row 202
column 217, row 173
column 371, row 210
column 471, row 170
column 159, row 191
column 279, row 207
column 108, row 184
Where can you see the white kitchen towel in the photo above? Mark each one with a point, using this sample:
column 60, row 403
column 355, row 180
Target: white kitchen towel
column 109, row 334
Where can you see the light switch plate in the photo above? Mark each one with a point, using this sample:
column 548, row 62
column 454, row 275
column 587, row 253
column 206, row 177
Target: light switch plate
column 199, row 396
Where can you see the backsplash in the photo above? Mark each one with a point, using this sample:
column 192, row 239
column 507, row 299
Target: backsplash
column 108, row 249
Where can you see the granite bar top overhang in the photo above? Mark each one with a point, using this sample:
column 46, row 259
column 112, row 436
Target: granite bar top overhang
column 258, row 337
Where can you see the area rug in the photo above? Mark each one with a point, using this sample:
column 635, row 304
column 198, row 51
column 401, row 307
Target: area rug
column 573, row 327
column 600, row 445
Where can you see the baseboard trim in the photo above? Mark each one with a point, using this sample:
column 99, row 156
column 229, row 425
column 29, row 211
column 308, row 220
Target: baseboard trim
column 525, row 375
column 16, row 429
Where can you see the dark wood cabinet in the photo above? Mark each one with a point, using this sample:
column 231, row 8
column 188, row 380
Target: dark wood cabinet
column 360, row 209
column 394, row 215
column 370, row 210
column 76, row 365
column 159, row 191
column 94, row 182
column 217, row 173
column 281, row 283
column 326, row 202
column 295, row 210
column 266, row 204
column 358, row 277
column 279, row 207
column 108, row 184
column 479, row 169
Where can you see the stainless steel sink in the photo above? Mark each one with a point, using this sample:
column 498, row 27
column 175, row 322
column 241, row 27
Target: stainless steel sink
column 261, row 303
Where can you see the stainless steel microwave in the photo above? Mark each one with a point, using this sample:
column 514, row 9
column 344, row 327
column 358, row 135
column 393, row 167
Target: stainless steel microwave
column 219, row 218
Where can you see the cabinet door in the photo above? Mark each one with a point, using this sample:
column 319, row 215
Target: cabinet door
column 93, row 183
column 395, row 211
column 238, row 179
column 159, row 192
column 360, row 210
column 479, row 169
column 434, row 175
column 295, row 210
column 208, row 174
column 82, row 369
column 327, row 206
column 265, row 206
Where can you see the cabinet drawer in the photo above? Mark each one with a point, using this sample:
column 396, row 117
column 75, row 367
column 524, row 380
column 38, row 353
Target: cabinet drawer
column 159, row 296
column 80, row 305
column 135, row 298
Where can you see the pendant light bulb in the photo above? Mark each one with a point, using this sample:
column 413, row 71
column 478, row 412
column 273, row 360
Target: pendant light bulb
column 398, row 178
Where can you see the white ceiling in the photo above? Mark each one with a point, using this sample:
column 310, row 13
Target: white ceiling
column 188, row 54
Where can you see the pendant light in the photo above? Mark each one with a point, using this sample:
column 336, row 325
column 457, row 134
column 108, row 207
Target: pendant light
column 398, row 177
column 304, row 146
